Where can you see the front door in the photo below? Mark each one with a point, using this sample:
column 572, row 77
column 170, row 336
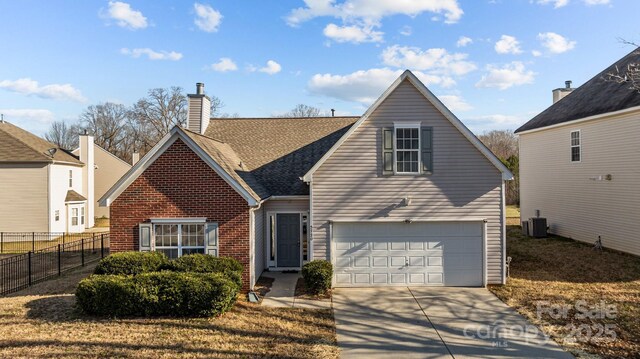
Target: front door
column 288, row 239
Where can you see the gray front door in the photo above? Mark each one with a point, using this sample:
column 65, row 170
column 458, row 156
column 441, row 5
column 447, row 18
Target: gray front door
column 288, row 239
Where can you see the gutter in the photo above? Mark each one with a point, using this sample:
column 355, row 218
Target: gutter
column 584, row 119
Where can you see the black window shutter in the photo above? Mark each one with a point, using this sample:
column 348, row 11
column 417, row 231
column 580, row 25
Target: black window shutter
column 426, row 138
column 387, row 151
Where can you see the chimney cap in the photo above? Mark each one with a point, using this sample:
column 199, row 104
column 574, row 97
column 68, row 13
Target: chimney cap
column 567, row 84
column 199, row 88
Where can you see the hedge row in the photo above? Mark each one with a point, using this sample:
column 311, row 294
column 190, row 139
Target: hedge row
column 149, row 284
column 157, row 294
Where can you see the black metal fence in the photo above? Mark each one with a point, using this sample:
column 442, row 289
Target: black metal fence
column 23, row 270
column 23, row 242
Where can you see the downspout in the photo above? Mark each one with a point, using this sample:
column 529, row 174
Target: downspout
column 252, row 241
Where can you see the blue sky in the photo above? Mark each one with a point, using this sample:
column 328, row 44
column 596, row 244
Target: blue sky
column 494, row 63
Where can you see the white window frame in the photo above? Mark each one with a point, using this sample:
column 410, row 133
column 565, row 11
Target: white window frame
column 82, row 215
column 179, row 223
column 396, row 127
column 70, row 178
column 572, row 146
column 74, row 216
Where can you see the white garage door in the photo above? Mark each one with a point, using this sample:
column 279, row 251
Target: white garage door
column 416, row 254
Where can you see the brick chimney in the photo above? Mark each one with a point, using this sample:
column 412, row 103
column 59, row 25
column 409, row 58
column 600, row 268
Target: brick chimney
column 199, row 110
column 560, row 93
column 88, row 176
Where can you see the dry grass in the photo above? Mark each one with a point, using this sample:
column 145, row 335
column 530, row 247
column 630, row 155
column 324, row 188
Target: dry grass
column 43, row 322
column 303, row 292
column 561, row 271
column 513, row 215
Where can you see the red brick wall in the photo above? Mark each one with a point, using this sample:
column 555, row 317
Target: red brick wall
column 179, row 184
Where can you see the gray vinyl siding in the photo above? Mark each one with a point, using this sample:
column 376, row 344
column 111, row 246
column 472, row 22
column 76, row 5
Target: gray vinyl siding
column 24, row 198
column 283, row 206
column 575, row 205
column 463, row 185
column 259, row 250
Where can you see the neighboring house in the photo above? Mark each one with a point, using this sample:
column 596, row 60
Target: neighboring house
column 580, row 162
column 404, row 195
column 108, row 170
column 45, row 188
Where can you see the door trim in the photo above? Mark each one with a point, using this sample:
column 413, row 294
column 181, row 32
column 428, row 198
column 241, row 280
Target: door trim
column 332, row 243
column 273, row 264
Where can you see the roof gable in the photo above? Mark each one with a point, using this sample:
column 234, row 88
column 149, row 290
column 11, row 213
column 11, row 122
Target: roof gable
column 206, row 148
column 409, row 76
column 595, row 97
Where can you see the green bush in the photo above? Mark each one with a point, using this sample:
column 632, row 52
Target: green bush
column 317, row 276
column 157, row 294
column 203, row 263
column 131, row 263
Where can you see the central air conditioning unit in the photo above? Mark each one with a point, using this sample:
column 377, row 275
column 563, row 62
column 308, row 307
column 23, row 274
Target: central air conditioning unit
column 537, row 227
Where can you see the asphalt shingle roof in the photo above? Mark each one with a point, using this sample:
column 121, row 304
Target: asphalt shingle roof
column 597, row 96
column 18, row 145
column 275, row 152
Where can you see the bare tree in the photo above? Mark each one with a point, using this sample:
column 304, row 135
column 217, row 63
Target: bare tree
column 630, row 74
column 502, row 143
column 106, row 122
column 153, row 116
column 63, row 135
column 303, row 110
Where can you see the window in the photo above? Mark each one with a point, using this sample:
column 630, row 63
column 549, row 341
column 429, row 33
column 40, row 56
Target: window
column 74, row 216
column 70, row 178
column 176, row 240
column 272, row 237
column 81, row 215
column 57, row 215
column 407, row 150
column 575, row 146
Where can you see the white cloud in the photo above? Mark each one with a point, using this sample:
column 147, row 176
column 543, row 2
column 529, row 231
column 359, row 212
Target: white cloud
column 354, row 34
column 406, row 31
column 271, row 68
column 512, row 74
column 508, row 45
column 151, row 54
column 556, row 3
column 372, row 11
column 536, row 53
column 365, row 86
column 455, row 103
column 439, row 60
column 27, row 86
column 464, row 41
column 556, row 44
column 224, row 64
column 597, row 2
column 207, row 18
column 28, row 114
column 125, row 16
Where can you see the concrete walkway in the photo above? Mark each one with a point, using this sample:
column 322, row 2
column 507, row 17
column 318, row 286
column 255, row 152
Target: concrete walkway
column 282, row 293
column 434, row 323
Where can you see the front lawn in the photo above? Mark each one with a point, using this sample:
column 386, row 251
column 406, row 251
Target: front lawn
column 555, row 280
column 43, row 322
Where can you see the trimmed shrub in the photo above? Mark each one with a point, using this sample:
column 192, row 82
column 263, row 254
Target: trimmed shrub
column 131, row 263
column 157, row 294
column 317, row 276
column 203, row 263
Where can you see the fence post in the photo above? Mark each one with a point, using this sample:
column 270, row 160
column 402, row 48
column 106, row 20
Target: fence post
column 82, row 250
column 29, row 264
column 102, row 245
column 33, row 241
column 59, row 261
column 93, row 243
column 1, row 242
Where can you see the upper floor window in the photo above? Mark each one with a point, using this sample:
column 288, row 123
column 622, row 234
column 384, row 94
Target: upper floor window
column 407, row 150
column 70, row 178
column 576, row 155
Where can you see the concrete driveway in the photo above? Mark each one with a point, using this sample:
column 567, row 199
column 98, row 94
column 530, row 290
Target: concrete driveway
column 428, row 322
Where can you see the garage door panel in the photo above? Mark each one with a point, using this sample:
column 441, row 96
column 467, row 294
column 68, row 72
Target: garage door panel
column 445, row 253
